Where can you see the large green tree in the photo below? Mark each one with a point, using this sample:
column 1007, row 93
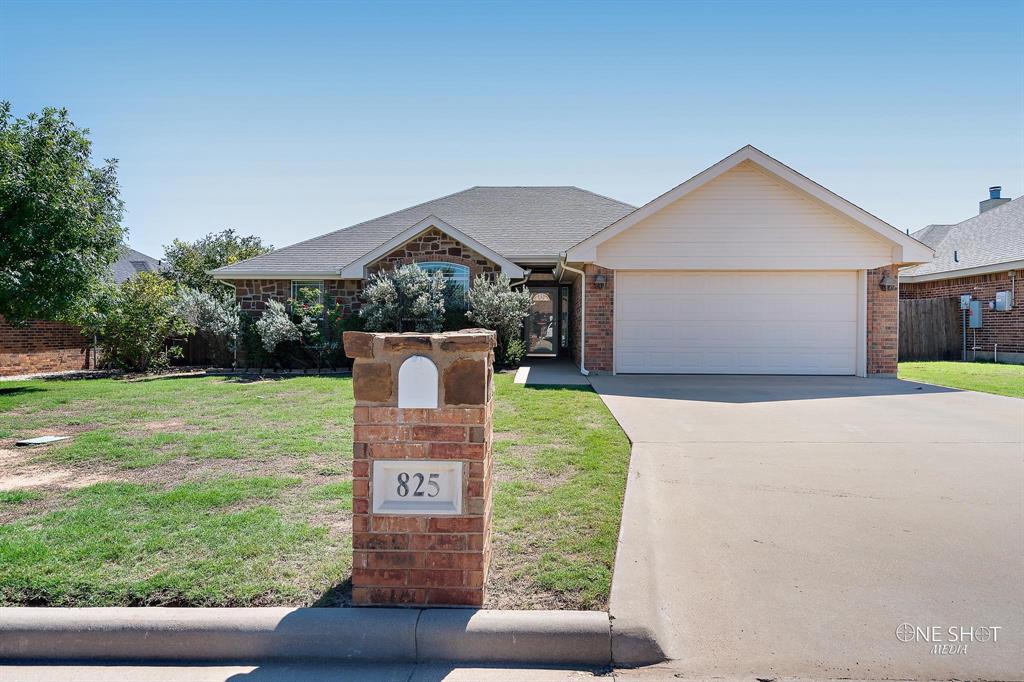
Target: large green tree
column 60, row 216
column 188, row 262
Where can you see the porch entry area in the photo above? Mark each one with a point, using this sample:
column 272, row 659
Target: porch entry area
column 546, row 329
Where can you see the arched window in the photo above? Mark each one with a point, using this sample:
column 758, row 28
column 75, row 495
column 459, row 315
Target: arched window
column 452, row 271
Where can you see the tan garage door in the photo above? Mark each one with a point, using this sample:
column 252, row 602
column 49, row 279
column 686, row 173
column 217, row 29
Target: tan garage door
column 684, row 322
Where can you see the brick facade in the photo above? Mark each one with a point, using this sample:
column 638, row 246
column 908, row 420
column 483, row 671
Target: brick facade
column 431, row 246
column 600, row 319
column 252, row 294
column 882, row 322
column 42, row 347
column 577, row 310
column 1003, row 328
column 422, row 559
column 434, row 245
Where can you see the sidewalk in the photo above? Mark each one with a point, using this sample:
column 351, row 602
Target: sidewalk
column 289, row 672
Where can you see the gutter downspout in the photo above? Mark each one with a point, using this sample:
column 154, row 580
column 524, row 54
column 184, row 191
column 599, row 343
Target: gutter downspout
column 526, row 276
column 583, row 313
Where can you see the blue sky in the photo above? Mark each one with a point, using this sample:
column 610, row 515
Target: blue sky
column 289, row 120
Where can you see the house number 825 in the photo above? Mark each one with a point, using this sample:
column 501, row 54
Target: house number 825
column 417, row 487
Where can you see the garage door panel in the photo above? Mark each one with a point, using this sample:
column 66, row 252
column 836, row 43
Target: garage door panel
column 735, row 308
column 737, row 323
column 681, row 337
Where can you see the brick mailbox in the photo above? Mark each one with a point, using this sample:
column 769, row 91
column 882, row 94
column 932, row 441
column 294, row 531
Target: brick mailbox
column 421, row 469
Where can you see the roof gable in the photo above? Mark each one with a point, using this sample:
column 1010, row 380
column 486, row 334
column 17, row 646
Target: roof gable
column 905, row 249
column 357, row 268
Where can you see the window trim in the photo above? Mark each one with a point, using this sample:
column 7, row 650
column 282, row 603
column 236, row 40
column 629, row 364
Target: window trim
column 306, row 284
column 435, row 265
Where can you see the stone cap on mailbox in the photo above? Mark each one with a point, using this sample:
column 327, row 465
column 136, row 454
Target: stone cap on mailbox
column 464, row 361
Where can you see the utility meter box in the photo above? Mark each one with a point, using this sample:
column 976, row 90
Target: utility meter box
column 974, row 315
column 965, row 301
column 1004, row 301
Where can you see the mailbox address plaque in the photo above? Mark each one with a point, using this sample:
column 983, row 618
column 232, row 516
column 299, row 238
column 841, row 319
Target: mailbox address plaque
column 417, row 487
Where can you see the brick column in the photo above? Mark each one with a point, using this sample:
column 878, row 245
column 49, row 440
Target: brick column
column 883, row 322
column 411, row 557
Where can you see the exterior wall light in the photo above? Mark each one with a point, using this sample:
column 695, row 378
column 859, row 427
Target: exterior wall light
column 888, row 282
column 599, row 281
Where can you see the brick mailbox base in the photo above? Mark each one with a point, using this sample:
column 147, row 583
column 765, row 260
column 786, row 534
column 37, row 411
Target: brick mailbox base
column 426, row 539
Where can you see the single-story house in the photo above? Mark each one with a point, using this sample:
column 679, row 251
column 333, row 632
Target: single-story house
column 746, row 268
column 46, row 346
column 982, row 256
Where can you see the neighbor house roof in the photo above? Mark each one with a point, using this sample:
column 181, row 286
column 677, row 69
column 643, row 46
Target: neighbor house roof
column 131, row 262
column 988, row 242
column 522, row 224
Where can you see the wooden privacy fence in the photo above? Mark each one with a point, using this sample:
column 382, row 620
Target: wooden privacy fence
column 930, row 329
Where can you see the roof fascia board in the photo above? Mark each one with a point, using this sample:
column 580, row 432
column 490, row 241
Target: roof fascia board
column 966, row 272
column 272, row 274
column 357, row 268
column 911, row 250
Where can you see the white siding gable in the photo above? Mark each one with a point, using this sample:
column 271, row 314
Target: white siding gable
column 745, row 219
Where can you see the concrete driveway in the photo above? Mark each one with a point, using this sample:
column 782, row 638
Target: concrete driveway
column 788, row 526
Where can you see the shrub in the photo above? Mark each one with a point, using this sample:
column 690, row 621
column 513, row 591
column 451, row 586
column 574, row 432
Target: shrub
column 134, row 320
column 513, row 352
column 409, row 299
column 250, row 344
column 215, row 317
column 308, row 315
column 276, row 327
column 493, row 304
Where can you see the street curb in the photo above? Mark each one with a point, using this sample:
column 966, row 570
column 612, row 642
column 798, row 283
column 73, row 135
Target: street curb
column 548, row 637
column 343, row 634
column 639, row 621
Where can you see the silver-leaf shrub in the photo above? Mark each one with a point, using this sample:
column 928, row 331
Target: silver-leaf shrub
column 493, row 304
column 407, row 299
column 276, row 326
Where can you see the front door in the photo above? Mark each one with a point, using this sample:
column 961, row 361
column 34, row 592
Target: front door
column 542, row 325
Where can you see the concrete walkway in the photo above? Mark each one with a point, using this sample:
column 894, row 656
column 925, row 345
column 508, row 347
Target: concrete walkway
column 788, row 527
column 549, row 372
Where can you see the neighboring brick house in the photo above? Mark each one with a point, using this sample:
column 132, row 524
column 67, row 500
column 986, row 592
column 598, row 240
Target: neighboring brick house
column 44, row 346
column 981, row 256
column 748, row 267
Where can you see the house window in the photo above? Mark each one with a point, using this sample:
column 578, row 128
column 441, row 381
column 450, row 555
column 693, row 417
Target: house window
column 317, row 284
column 452, row 271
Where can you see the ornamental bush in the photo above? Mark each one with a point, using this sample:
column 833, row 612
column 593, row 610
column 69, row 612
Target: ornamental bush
column 410, row 299
column 134, row 320
column 215, row 317
column 493, row 304
column 276, row 327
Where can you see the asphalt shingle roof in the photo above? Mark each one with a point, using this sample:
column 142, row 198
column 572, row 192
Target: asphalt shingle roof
column 513, row 221
column 993, row 237
column 130, row 262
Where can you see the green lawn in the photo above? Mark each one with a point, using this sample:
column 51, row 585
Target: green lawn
column 987, row 377
column 211, row 491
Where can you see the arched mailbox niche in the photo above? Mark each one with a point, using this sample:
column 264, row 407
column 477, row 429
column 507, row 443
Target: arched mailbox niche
column 417, row 382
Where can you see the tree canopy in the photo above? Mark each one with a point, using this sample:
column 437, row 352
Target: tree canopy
column 60, row 216
column 188, row 262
